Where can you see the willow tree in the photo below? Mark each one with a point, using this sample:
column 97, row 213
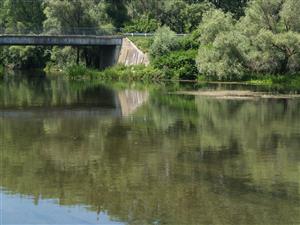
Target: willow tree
column 266, row 40
column 69, row 17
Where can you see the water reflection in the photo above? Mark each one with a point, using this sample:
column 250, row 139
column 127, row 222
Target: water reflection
column 170, row 160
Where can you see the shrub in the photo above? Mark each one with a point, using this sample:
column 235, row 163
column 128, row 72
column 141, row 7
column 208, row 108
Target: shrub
column 24, row 57
column 76, row 71
column 143, row 43
column 138, row 72
column 188, row 42
column 144, row 24
column 164, row 41
column 179, row 65
column 62, row 57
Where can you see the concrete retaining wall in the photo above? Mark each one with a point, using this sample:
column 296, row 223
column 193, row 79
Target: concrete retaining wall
column 131, row 55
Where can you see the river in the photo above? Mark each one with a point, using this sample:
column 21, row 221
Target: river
column 130, row 153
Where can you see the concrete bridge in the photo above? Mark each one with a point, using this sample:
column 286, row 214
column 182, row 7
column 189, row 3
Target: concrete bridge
column 110, row 50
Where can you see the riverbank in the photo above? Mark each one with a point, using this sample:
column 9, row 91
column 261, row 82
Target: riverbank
column 150, row 73
column 290, row 81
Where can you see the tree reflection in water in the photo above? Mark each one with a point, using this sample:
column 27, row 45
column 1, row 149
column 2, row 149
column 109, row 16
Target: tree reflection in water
column 172, row 160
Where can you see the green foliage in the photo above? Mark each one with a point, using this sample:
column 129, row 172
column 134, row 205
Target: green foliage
column 116, row 10
column 178, row 65
column 189, row 41
column 73, row 16
column 219, row 56
column 19, row 16
column 266, row 40
column 144, row 24
column 278, row 81
column 62, row 57
column 76, row 71
column 118, row 72
column 27, row 57
column 182, row 17
column 139, row 72
column 164, row 41
column 143, row 43
column 214, row 22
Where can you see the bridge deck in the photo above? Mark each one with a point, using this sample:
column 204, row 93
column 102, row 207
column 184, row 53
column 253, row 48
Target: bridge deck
column 77, row 40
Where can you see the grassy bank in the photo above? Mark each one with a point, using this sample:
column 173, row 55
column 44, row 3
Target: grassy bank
column 118, row 72
column 143, row 43
column 279, row 81
column 171, row 70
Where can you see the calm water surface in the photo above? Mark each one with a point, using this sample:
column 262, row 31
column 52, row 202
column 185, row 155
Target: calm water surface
column 88, row 153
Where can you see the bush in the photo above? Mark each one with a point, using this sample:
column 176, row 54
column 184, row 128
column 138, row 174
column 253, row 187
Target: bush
column 118, row 72
column 62, row 57
column 165, row 41
column 138, row 72
column 279, row 81
column 144, row 24
column 188, row 42
column 24, row 57
column 76, row 71
column 179, row 65
column 143, row 43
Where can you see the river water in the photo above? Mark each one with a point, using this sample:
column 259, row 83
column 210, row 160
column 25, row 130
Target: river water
column 128, row 153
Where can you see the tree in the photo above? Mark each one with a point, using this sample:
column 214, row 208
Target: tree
column 19, row 16
column 219, row 54
column 236, row 7
column 70, row 17
column 164, row 41
column 273, row 26
column 266, row 40
column 117, row 11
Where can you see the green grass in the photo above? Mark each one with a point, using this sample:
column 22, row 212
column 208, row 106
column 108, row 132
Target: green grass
column 118, row 72
column 152, row 73
column 76, row 71
column 143, row 43
column 280, row 81
column 269, row 80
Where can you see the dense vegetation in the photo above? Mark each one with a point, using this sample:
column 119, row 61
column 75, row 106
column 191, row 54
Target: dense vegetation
column 235, row 40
